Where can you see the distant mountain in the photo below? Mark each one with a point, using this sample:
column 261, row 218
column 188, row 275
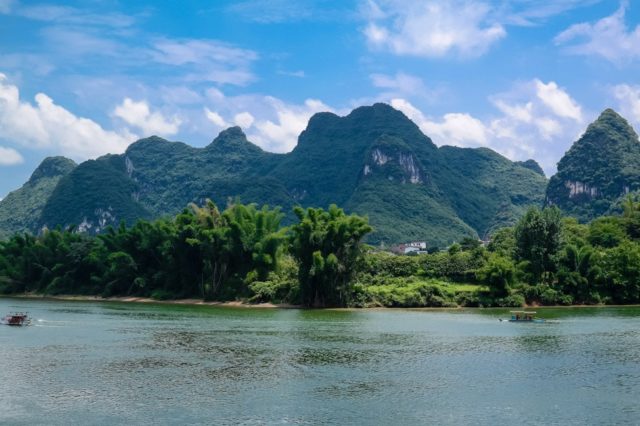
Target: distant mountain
column 531, row 165
column 20, row 211
column 602, row 166
column 374, row 161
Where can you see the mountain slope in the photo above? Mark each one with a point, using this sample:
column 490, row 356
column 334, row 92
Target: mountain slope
column 603, row 165
column 97, row 193
column 374, row 161
column 21, row 209
column 487, row 190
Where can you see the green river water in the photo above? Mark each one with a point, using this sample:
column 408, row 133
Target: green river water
column 123, row 363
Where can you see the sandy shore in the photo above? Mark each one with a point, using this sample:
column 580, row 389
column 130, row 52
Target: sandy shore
column 236, row 304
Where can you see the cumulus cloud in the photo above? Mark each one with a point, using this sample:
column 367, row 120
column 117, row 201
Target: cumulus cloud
column 243, row 119
column 215, row 118
column 10, row 157
column 459, row 129
column 629, row 101
column 608, row 38
column 139, row 114
column 272, row 123
column 558, row 100
column 533, row 119
column 432, row 28
column 281, row 134
column 49, row 127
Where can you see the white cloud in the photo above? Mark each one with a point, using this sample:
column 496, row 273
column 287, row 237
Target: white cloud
column 457, row 129
column 10, row 157
column 71, row 15
column 432, row 28
column 629, row 100
column 138, row 114
column 49, row 127
column 180, row 95
column 210, row 60
column 281, row 134
column 533, row 119
column 296, row 74
column 401, row 82
column 609, row 38
column 558, row 100
column 271, row 123
column 215, row 118
column 243, row 119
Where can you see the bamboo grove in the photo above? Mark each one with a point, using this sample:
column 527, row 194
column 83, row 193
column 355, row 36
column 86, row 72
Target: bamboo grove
column 244, row 253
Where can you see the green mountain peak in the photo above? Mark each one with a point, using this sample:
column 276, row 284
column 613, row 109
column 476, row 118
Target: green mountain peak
column 600, row 167
column 52, row 167
column 374, row 161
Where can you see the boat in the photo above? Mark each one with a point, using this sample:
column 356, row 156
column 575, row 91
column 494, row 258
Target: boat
column 17, row 319
column 524, row 316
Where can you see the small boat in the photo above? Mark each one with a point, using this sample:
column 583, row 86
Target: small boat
column 17, row 318
column 523, row 316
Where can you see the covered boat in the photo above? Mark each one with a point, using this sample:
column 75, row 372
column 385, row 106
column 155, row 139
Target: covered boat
column 524, row 316
column 17, row 318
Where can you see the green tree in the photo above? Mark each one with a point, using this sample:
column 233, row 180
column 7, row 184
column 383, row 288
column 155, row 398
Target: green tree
column 620, row 272
column 606, row 232
column 577, row 273
column 537, row 237
column 498, row 273
column 503, row 242
column 327, row 246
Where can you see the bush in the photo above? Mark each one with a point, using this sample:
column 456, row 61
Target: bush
column 160, row 294
column 513, row 300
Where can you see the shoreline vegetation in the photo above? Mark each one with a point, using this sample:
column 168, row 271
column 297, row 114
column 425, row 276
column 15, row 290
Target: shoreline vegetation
column 243, row 256
column 266, row 305
column 144, row 300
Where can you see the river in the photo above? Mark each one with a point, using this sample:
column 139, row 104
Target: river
column 127, row 363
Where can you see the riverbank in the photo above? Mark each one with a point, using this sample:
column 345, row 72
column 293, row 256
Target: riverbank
column 267, row 305
column 129, row 299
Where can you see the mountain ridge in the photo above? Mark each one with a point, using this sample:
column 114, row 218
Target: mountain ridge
column 373, row 161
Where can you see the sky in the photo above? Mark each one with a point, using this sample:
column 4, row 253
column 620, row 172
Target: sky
column 522, row 77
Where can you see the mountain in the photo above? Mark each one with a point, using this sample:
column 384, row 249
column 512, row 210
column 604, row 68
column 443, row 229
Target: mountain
column 20, row 210
column 599, row 168
column 374, row 161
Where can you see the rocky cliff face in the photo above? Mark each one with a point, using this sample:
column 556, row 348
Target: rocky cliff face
column 602, row 166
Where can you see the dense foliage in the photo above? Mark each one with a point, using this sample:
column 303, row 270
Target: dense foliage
column 21, row 209
column 373, row 162
column 239, row 253
column 243, row 253
column 327, row 246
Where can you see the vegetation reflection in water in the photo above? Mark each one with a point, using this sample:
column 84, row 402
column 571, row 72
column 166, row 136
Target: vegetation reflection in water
column 113, row 363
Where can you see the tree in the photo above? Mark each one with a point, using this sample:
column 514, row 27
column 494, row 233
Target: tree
column 327, row 246
column 468, row 243
column 606, row 232
column 620, row 271
column 498, row 273
column 577, row 273
column 537, row 237
column 503, row 242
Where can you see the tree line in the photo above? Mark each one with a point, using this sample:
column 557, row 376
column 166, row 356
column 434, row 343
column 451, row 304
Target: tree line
column 244, row 253
column 202, row 252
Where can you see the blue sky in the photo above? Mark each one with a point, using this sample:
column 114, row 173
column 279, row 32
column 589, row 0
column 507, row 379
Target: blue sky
column 523, row 77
